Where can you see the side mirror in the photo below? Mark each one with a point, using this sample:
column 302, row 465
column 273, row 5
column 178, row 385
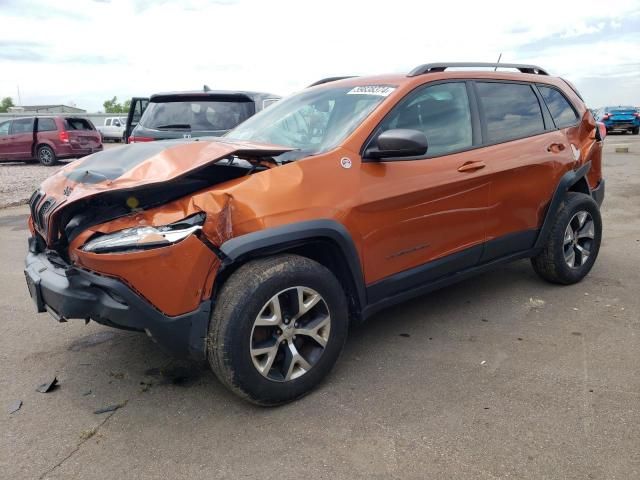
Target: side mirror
column 399, row 142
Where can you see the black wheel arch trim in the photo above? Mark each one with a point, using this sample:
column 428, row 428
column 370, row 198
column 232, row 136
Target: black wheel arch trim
column 279, row 239
column 568, row 180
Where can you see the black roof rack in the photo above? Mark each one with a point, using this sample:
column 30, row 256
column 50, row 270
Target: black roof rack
column 441, row 67
column 329, row 79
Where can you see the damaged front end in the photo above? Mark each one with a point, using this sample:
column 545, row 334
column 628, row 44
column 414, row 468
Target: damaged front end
column 133, row 243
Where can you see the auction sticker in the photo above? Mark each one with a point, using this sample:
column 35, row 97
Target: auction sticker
column 379, row 90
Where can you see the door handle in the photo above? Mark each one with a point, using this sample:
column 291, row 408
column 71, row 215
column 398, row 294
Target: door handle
column 556, row 147
column 471, row 166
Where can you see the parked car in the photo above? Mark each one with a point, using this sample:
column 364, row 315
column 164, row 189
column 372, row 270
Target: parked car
column 113, row 129
column 47, row 139
column 255, row 251
column 626, row 119
column 191, row 114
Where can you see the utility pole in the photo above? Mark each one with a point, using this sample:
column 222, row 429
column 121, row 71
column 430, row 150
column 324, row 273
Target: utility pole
column 19, row 99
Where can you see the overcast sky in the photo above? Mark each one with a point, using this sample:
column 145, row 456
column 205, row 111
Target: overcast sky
column 87, row 51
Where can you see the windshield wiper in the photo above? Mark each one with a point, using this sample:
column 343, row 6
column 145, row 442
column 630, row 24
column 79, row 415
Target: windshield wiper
column 174, row 125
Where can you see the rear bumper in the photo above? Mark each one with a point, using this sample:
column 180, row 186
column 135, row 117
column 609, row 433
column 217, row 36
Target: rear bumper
column 73, row 150
column 621, row 125
column 598, row 193
column 69, row 292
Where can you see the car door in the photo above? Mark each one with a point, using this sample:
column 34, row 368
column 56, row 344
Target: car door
column 4, row 139
column 21, row 139
column 524, row 155
column 423, row 218
column 136, row 109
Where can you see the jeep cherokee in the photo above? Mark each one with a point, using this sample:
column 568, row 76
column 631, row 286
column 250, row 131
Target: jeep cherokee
column 255, row 251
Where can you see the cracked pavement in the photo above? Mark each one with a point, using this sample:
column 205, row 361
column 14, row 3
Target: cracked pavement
column 501, row 376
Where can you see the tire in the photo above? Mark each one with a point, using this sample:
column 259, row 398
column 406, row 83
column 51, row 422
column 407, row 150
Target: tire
column 46, row 156
column 635, row 130
column 563, row 244
column 247, row 298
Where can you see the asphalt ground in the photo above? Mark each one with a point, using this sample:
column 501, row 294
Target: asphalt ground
column 501, row 376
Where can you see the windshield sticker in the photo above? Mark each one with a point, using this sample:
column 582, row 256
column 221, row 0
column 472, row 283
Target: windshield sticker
column 379, row 90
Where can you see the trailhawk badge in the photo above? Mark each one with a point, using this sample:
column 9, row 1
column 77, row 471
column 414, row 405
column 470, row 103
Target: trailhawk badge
column 345, row 162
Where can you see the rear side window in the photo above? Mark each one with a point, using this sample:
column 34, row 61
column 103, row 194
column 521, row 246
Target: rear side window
column 77, row 124
column 4, row 128
column 511, row 111
column 22, row 125
column 46, row 125
column 107, row 122
column 197, row 114
column 561, row 110
column 440, row 111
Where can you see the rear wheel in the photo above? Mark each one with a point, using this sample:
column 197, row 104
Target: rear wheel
column 635, row 130
column 573, row 244
column 278, row 328
column 46, row 155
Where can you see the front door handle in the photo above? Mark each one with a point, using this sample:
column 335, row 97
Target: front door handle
column 471, row 166
column 556, row 147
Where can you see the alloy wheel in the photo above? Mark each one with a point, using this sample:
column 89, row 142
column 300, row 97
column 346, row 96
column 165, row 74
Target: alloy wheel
column 290, row 333
column 578, row 239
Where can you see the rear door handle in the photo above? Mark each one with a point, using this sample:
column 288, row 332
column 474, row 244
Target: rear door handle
column 471, row 166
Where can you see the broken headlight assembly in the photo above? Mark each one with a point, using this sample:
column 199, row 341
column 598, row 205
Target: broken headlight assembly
column 145, row 237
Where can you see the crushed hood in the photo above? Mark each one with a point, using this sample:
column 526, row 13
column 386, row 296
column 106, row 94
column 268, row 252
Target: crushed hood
column 135, row 166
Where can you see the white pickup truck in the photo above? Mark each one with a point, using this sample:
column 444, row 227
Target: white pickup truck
column 113, row 128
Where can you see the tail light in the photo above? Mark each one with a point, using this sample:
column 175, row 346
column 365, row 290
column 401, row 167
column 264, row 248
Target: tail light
column 606, row 116
column 133, row 139
column 637, row 114
column 63, row 135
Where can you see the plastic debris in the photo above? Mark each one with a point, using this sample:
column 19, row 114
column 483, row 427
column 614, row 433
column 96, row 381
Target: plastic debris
column 110, row 408
column 483, row 362
column 15, row 406
column 48, row 387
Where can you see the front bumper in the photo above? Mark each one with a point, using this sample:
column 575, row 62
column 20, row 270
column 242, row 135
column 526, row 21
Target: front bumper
column 67, row 292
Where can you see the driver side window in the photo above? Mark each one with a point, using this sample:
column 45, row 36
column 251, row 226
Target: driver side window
column 439, row 111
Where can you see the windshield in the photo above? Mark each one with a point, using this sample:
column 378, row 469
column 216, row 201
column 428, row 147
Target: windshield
column 198, row 115
column 313, row 121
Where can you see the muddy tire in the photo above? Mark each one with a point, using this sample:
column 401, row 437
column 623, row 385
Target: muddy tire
column 277, row 329
column 46, row 156
column 574, row 242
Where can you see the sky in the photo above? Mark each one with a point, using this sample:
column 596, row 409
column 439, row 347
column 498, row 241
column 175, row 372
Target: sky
column 83, row 52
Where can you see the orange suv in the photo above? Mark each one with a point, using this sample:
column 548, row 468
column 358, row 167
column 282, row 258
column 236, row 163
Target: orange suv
column 256, row 250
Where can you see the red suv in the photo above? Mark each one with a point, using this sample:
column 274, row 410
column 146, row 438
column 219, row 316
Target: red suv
column 47, row 139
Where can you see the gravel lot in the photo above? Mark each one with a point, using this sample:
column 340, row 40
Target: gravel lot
column 19, row 179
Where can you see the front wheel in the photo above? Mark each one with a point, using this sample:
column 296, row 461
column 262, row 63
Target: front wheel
column 278, row 328
column 573, row 243
column 46, row 156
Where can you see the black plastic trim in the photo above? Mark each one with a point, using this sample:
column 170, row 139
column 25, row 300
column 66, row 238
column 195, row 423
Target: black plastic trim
column 568, row 179
column 444, row 281
column 279, row 239
column 509, row 244
column 598, row 193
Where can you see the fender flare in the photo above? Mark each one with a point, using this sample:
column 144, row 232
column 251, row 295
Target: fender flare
column 278, row 239
column 569, row 179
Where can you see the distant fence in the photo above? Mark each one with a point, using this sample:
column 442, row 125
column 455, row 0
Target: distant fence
column 96, row 118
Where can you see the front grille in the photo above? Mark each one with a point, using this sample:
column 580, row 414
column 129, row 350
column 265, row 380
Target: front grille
column 42, row 218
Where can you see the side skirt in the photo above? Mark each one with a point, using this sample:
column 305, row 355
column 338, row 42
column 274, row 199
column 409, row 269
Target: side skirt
column 445, row 281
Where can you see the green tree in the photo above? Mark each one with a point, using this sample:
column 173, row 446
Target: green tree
column 112, row 106
column 5, row 104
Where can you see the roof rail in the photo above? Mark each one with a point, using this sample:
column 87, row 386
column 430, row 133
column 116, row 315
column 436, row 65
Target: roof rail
column 329, row 79
column 441, row 67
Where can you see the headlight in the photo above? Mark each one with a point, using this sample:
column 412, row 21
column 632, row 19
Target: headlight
column 140, row 238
